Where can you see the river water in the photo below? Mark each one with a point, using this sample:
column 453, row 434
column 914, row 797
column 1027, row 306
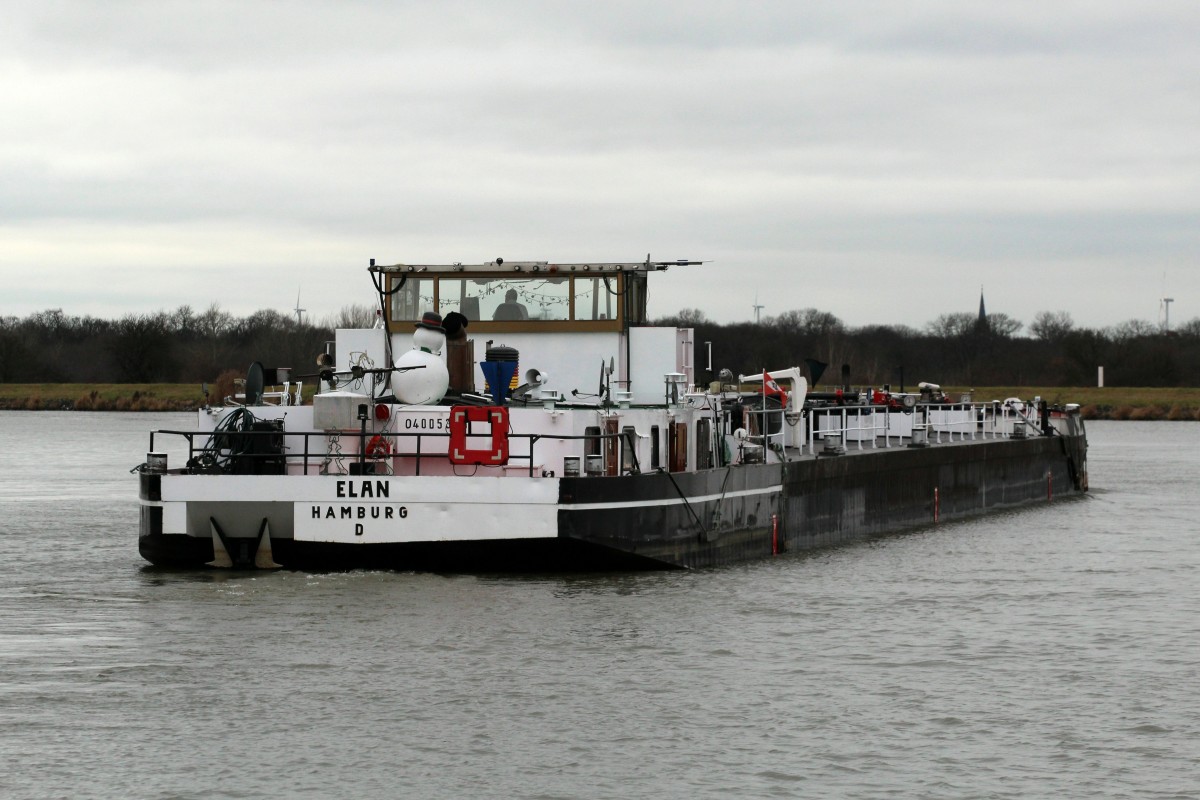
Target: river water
column 1051, row 652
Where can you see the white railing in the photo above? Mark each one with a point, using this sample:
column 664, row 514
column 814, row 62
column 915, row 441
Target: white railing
column 867, row 425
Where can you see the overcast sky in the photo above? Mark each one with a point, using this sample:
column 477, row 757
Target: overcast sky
column 878, row 160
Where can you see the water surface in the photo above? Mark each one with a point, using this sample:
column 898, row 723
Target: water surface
column 1047, row 652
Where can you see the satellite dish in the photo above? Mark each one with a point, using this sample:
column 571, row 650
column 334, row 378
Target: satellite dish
column 254, row 384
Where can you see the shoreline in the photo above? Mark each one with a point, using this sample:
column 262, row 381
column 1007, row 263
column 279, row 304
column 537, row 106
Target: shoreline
column 100, row 397
column 1109, row 403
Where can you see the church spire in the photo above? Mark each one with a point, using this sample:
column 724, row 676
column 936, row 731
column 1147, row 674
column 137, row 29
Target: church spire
column 981, row 324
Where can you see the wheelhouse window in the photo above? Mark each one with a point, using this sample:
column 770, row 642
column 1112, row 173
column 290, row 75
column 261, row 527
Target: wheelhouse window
column 506, row 299
column 512, row 302
column 413, row 298
column 595, row 298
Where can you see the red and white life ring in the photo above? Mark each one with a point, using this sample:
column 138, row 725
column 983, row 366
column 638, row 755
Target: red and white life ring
column 461, row 417
column 378, row 447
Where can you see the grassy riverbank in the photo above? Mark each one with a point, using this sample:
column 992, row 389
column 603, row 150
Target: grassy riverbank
column 109, row 396
column 1110, row 402
column 101, row 396
column 1106, row 403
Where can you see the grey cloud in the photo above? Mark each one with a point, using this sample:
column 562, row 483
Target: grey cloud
column 947, row 142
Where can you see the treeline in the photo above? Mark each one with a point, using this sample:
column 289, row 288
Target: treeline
column 183, row 346
column 177, row 346
column 954, row 350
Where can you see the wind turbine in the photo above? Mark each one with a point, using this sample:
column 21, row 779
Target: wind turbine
column 757, row 308
column 1164, row 307
column 299, row 311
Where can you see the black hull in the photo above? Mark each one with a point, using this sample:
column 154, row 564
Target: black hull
column 497, row 556
column 714, row 517
column 823, row 502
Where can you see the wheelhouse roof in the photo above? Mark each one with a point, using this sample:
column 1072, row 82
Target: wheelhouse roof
column 500, row 265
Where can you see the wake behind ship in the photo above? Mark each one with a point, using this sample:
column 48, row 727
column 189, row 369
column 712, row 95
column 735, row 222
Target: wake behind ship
column 525, row 416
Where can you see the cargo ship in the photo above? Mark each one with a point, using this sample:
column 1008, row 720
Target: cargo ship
column 527, row 416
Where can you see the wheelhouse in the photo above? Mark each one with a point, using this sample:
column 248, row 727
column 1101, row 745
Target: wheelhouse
column 520, row 297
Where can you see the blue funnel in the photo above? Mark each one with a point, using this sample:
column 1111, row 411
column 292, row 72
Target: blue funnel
column 499, row 374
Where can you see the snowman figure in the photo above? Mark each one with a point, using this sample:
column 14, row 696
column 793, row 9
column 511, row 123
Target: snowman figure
column 423, row 378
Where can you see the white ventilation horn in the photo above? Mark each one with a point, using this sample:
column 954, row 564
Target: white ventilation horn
column 535, row 377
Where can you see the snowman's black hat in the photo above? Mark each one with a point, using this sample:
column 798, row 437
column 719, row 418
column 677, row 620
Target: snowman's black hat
column 431, row 320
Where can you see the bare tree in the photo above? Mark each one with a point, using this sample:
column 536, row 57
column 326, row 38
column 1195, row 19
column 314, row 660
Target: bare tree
column 1131, row 329
column 141, row 348
column 1003, row 325
column 1190, row 329
column 13, row 354
column 214, row 322
column 1051, row 326
column 952, row 326
column 357, row 315
column 183, row 322
column 807, row 322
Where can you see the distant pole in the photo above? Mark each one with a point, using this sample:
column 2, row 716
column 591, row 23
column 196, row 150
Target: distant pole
column 1100, row 377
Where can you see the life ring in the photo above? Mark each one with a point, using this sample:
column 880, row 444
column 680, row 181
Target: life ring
column 460, row 419
column 378, row 447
